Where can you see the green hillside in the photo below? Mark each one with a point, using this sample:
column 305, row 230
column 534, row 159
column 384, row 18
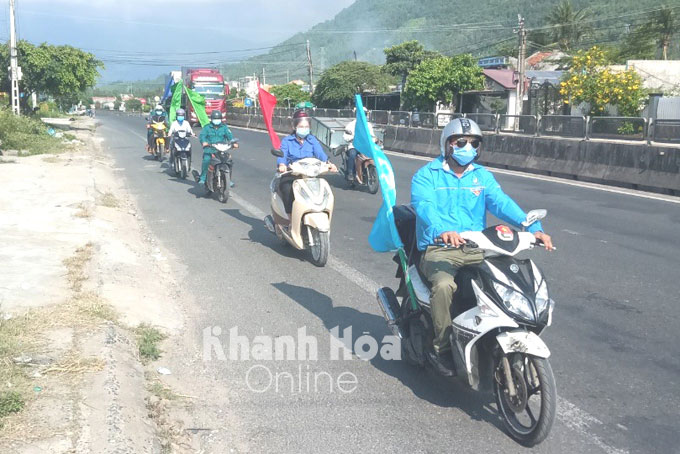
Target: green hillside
column 482, row 28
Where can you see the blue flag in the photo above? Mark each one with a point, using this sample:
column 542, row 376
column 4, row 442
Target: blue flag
column 384, row 236
column 168, row 89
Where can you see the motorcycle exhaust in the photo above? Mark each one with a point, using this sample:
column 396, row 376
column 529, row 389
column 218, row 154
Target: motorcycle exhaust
column 389, row 306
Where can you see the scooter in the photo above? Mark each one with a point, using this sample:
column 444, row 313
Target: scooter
column 502, row 307
column 218, row 180
column 181, row 154
column 365, row 173
column 159, row 139
column 308, row 225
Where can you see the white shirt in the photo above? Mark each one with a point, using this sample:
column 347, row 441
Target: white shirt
column 349, row 132
column 185, row 126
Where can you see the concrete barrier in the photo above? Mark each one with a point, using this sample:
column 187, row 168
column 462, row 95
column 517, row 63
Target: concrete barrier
column 636, row 165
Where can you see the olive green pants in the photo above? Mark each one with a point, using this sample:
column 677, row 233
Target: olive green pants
column 439, row 265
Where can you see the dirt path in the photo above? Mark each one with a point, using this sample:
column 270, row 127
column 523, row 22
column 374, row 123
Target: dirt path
column 86, row 296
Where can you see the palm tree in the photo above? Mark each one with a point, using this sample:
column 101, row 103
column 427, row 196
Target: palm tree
column 567, row 28
column 664, row 24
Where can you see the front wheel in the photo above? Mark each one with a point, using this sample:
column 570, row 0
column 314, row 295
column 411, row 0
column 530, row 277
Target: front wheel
column 372, row 179
column 159, row 152
column 183, row 168
column 322, row 244
column 528, row 415
column 223, row 191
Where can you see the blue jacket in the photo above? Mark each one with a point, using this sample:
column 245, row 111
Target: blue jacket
column 294, row 150
column 444, row 202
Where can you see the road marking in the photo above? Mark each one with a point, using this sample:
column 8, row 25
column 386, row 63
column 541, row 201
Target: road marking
column 571, row 232
column 353, row 275
column 579, row 421
column 516, row 173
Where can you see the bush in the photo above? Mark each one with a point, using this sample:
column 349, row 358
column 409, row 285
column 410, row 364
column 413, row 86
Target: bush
column 26, row 133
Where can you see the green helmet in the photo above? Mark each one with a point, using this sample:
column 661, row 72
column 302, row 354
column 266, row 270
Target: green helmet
column 216, row 115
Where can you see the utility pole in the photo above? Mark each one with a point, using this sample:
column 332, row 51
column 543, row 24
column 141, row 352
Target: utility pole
column 310, row 69
column 521, row 59
column 14, row 70
column 264, row 78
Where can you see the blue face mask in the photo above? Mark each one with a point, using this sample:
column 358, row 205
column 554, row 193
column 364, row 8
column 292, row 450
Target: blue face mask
column 465, row 155
column 302, row 132
column 217, row 122
column 180, row 119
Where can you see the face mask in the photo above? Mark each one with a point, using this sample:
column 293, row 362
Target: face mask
column 180, row 119
column 159, row 113
column 465, row 155
column 217, row 122
column 302, row 132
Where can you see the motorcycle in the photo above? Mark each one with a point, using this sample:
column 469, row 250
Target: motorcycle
column 159, row 138
column 181, row 154
column 308, row 225
column 218, row 180
column 502, row 307
column 365, row 173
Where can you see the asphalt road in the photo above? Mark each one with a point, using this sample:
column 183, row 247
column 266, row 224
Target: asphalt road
column 614, row 338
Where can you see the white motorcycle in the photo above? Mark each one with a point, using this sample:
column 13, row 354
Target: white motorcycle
column 307, row 224
column 502, row 307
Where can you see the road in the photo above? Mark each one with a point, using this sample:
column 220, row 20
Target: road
column 614, row 339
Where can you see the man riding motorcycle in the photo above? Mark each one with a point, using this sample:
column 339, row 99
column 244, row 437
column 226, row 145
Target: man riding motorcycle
column 451, row 195
column 351, row 151
column 179, row 125
column 299, row 145
column 215, row 132
column 157, row 116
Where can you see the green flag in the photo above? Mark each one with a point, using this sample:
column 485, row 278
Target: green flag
column 176, row 100
column 198, row 102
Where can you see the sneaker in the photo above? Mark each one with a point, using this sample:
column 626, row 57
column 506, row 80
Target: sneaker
column 269, row 223
column 440, row 364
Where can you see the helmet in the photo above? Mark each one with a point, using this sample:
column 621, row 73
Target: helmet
column 180, row 112
column 159, row 107
column 216, row 115
column 300, row 115
column 458, row 127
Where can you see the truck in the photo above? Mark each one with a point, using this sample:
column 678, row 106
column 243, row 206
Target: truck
column 209, row 83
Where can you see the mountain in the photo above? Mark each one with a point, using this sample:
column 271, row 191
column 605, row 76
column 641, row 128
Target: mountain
column 483, row 28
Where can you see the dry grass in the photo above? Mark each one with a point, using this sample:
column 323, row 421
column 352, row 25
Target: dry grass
column 74, row 366
column 51, row 159
column 109, row 200
column 85, row 211
column 75, row 266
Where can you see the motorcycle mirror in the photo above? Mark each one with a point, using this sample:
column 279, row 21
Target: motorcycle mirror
column 533, row 216
column 277, row 153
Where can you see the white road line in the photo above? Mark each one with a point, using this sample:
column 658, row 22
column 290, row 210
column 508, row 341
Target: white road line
column 580, row 184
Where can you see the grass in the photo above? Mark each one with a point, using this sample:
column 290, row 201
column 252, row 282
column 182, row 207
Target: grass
column 10, row 402
column 84, row 211
column 148, row 339
column 161, row 391
column 109, row 200
column 27, row 134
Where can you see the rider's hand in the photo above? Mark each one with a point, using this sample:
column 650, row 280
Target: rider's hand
column 452, row 239
column 545, row 238
column 282, row 168
column 235, row 145
column 332, row 167
column 205, row 144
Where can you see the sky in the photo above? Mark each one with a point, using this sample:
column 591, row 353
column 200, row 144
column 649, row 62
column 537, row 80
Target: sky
column 142, row 39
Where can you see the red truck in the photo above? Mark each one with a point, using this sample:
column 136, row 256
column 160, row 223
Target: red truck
column 210, row 83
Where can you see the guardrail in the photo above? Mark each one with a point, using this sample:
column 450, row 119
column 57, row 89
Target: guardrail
column 570, row 126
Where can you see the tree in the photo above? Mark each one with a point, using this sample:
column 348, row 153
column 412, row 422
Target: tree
column 589, row 80
column 664, row 26
column 289, row 94
column 439, row 80
column 402, row 58
column 339, row 83
column 63, row 72
column 133, row 105
column 567, row 25
column 638, row 44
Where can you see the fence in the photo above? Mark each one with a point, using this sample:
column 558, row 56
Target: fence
column 580, row 127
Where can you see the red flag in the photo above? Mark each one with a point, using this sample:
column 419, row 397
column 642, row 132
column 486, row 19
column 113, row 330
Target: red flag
column 267, row 103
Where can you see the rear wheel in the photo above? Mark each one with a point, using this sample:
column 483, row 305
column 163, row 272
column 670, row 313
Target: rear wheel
column 528, row 415
column 223, row 191
column 372, row 179
column 319, row 250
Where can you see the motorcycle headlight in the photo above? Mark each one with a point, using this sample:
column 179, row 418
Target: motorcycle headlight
column 542, row 298
column 314, row 194
column 514, row 301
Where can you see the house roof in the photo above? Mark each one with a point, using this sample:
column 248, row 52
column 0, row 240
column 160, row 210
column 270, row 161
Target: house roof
column 503, row 77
